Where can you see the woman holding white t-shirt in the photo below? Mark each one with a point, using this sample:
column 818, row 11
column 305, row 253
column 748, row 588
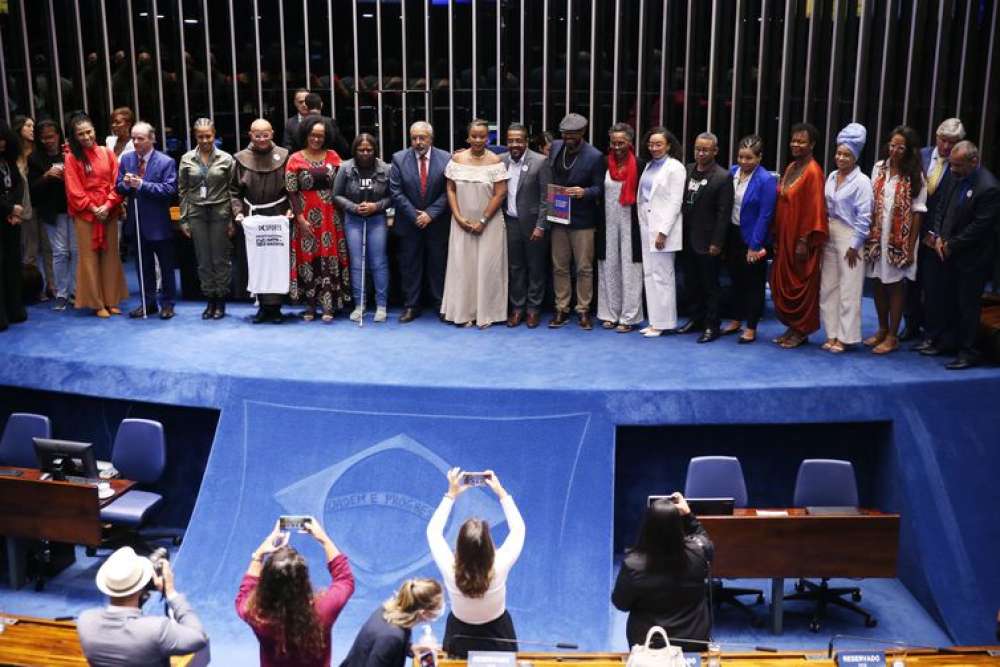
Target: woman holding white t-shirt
column 475, row 576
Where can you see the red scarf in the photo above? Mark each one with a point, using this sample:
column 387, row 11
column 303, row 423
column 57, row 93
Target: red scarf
column 627, row 172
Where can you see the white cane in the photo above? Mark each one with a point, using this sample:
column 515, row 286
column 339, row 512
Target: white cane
column 364, row 254
column 138, row 259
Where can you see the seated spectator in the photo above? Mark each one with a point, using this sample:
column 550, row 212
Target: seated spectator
column 476, row 574
column 119, row 634
column 662, row 579
column 277, row 601
column 384, row 639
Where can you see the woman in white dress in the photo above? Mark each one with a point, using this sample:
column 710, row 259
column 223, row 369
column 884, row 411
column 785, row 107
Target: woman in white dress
column 900, row 201
column 661, row 190
column 475, row 281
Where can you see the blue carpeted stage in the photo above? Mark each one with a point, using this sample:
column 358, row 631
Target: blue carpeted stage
column 357, row 426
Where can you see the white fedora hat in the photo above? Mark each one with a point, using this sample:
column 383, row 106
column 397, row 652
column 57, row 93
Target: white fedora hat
column 124, row 573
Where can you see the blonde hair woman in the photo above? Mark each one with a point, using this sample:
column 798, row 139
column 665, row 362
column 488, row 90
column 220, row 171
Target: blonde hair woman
column 384, row 640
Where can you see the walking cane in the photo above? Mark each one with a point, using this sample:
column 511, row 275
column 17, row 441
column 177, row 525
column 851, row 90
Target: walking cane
column 138, row 259
column 364, row 254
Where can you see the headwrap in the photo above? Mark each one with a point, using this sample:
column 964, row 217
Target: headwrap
column 853, row 136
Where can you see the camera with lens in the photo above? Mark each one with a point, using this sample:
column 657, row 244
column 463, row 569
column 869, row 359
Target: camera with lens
column 158, row 557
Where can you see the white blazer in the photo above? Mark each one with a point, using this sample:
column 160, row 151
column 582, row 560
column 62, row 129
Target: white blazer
column 662, row 213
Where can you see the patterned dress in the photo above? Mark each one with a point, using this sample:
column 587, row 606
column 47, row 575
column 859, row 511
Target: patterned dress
column 320, row 267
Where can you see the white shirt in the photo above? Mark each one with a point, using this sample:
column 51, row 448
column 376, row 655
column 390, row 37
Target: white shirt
column 513, row 178
column 477, row 611
column 111, row 141
column 740, row 188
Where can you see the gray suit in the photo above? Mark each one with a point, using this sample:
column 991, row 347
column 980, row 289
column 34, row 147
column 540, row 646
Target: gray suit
column 119, row 636
column 528, row 260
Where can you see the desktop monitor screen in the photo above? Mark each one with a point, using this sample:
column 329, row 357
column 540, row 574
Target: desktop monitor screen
column 703, row 506
column 60, row 458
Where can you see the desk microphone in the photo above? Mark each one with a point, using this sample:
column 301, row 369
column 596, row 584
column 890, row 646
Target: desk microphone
column 702, row 642
column 886, row 642
column 531, row 642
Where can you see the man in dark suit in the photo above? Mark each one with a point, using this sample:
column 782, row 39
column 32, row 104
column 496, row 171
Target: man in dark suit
column 314, row 107
column 934, row 160
column 290, row 137
column 417, row 187
column 148, row 178
column 524, row 214
column 708, row 210
column 579, row 167
column 964, row 231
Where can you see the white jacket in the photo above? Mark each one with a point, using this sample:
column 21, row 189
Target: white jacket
column 662, row 213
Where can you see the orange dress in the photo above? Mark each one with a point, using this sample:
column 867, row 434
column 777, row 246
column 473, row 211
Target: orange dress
column 800, row 213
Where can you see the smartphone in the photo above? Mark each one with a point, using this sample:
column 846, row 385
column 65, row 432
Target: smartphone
column 297, row 522
column 428, row 658
column 475, row 478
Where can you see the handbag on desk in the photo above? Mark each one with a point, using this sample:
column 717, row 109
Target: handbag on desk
column 644, row 655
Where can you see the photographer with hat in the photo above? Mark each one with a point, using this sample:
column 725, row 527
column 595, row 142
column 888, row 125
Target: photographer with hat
column 119, row 634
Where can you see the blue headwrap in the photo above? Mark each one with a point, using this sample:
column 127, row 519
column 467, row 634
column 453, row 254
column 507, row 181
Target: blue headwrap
column 853, row 136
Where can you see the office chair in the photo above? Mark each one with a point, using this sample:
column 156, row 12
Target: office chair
column 16, row 445
column 827, row 483
column 722, row 477
column 139, row 454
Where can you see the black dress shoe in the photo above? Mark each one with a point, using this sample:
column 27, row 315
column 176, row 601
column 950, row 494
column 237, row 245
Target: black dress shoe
column 688, row 327
column 961, row 363
column 220, row 309
column 909, row 332
column 441, row 317
column 409, row 314
column 931, row 350
column 276, row 316
column 167, row 311
column 922, row 345
column 708, row 335
column 560, row 320
column 209, row 311
column 263, row 315
column 136, row 312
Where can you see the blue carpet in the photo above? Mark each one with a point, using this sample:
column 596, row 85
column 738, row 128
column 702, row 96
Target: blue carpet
column 357, row 425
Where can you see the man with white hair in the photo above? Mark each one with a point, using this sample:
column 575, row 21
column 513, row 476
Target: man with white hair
column 935, row 163
column 417, row 186
column 119, row 634
column 148, row 178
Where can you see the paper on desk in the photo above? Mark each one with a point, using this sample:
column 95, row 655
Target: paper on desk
column 772, row 513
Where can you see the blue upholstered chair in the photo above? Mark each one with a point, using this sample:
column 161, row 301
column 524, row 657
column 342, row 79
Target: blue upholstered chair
column 827, row 483
column 16, row 445
column 722, row 477
column 139, row 454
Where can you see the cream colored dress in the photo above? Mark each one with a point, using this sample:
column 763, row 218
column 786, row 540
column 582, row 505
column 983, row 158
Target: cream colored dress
column 475, row 281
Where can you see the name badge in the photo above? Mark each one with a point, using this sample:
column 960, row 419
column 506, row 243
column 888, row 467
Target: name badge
column 203, row 191
column 524, row 167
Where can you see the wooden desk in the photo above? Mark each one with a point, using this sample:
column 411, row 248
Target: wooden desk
column 968, row 656
column 36, row 509
column 802, row 545
column 40, row 641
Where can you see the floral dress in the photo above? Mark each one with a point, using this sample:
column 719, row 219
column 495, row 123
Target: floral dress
column 320, row 266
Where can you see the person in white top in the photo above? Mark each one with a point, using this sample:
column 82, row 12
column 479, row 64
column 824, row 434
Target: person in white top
column 475, row 575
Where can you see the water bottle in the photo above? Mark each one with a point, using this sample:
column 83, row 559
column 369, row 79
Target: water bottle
column 714, row 654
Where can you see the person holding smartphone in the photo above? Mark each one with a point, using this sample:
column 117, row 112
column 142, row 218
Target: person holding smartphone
column 475, row 575
column 662, row 579
column 276, row 600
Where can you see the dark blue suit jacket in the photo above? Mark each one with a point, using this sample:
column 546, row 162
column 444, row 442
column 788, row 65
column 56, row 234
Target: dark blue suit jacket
column 404, row 187
column 970, row 230
column 757, row 208
column 587, row 173
column 151, row 202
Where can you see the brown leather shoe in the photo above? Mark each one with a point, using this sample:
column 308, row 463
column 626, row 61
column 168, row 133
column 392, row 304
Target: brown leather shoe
column 560, row 320
column 533, row 320
column 409, row 314
column 515, row 318
column 585, row 322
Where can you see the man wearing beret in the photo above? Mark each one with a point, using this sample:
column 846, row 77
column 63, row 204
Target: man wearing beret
column 579, row 167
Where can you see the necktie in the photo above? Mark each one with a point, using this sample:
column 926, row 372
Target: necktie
column 423, row 175
column 142, row 167
column 935, row 175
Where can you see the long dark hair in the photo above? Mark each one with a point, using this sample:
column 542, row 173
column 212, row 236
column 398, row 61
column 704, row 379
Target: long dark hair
column 13, row 148
column 661, row 537
column 283, row 600
column 673, row 145
column 75, row 147
column 306, row 127
column 910, row 166
column 474, row 552
column 17, row 126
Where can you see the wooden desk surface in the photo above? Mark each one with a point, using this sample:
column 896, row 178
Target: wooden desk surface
column 36, row 509
column 964, row 655
column 800, row 544
column 39, row 641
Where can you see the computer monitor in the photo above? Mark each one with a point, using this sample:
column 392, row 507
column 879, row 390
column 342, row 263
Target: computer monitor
column 703, row 506
column 60, row 458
